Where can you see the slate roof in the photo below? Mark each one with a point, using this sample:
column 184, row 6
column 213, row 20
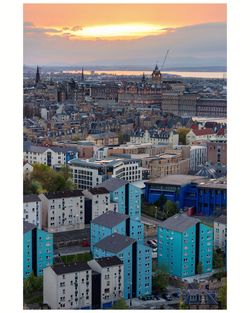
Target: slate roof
column 64, row 194
column 109, row 261
column 221, row 219
column 113, row 184
column 60, row 269
column 28, row 227
column 98, row 190
column 115, row 243
column 179, row 222
column 110, row 219
column 31, row 198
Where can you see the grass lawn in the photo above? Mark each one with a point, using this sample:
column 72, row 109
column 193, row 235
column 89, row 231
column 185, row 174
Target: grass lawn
column 33, row 299
column 82, row 257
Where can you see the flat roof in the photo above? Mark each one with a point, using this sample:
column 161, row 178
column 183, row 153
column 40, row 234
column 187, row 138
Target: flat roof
column 214, row 183
column 177, row 179
column 110, row 219
column 179, row 222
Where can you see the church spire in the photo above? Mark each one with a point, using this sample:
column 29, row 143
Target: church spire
column 37, row 75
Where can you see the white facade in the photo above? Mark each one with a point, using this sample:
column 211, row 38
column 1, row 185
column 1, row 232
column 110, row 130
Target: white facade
column 43, row 157
column 191, row 137
column 220, row 235
column 62, row 212
column 146, row 138
column 32, row 210
column 87, row 174
column 100, row 203
column 198, row 156
column 62, row 290
column 112, row 281
column 27, row 170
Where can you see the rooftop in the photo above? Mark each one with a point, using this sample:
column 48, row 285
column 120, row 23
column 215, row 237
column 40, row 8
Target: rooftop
column 179, row 222
column 218, row 183
column 115, row 243
column 109, row 261
column 31, row 198
column 64, row 194
column 177, row 179
column 113, row 184
column 110, row 219
column 98, row 190
column 221, row 219
column 28, row 227
column 60, row 269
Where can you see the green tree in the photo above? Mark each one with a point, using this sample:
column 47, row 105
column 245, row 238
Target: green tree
column 45, row 179
column 161, row 201
column 182, row 305
column 182, row 132
column 218, row 259
column 169, row 209
column 199, row 268
column 32, row 284
column 160, row 280
column 120, row 305
column 223, row 296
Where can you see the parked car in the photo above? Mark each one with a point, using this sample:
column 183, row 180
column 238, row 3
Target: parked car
column 167, row 297
column 151, row 244
column 85, row 243
column 176, row 294
column 154, row 241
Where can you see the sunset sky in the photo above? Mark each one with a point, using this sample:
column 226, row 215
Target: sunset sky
column 124, row 34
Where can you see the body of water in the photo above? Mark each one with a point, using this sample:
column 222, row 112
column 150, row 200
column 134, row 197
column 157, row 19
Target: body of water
column 148, row 73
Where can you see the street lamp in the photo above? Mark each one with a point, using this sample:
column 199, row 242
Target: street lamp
column 156, row 208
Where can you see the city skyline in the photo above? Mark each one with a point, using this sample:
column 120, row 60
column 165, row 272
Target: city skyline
column 114, row 34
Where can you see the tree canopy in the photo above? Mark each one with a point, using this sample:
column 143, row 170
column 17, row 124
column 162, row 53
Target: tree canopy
column 182, row 132
column 160, row 280
column 120, row 305
column 45, row 179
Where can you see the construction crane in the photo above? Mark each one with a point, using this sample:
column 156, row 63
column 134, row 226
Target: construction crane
column 164, row 59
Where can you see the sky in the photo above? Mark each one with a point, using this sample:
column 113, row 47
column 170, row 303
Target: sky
column 125, row 34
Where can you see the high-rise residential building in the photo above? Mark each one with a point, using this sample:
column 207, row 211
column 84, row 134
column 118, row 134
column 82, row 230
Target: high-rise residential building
column 184, row 245
column 137, row 260
column 68, row 286
column 37, row 249
column 109, row 288
column 63, row 210
column 32, row 210
column 220, row 233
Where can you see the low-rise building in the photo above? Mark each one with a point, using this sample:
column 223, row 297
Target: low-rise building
column 48, row 155
column 197, row 299
column 111, row 270
column 92, row 172
column 199, row 134
column 68, row 286
column 220, row 233
column 62, row 210
column 103, row 139
column 155, row 137
column 32, row 210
